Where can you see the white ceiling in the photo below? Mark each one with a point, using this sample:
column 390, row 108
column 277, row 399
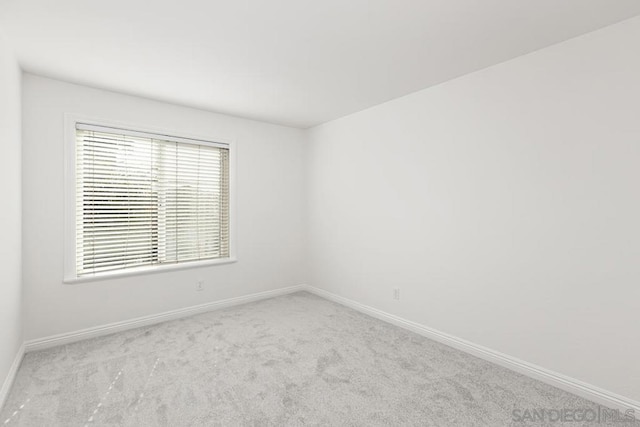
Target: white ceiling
column 292, row 62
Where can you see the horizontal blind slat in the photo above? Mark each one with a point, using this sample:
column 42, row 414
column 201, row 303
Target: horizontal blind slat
column 142, row 200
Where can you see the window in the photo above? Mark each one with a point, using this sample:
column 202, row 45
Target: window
column 143, row 201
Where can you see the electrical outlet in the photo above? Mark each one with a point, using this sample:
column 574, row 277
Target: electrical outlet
column 396, row 294
column 200, row 285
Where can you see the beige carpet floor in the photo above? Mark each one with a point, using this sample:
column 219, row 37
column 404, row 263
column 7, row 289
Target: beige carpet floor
column 291, row 360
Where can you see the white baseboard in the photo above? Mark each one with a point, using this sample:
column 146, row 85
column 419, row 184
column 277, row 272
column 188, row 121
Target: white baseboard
column 83, row 334
column 11, row 376
column 563, row 382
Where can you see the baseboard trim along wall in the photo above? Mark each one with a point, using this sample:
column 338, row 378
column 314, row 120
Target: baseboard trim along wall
column 98, row 331
column 563, row 382
column 11, row 376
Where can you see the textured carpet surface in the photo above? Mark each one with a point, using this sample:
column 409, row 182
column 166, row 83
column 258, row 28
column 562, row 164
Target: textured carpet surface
column 291, row 360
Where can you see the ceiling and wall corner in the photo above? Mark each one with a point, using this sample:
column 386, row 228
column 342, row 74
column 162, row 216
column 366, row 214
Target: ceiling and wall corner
column 291, row 62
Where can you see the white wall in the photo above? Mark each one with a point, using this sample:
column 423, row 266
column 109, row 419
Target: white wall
column 504, row 204
column 270, row 221
column 10, row 212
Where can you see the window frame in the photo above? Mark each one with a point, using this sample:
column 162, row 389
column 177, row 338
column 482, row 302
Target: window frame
column 70, row 277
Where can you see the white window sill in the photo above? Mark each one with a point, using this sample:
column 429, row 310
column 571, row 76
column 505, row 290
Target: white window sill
column 148, row 270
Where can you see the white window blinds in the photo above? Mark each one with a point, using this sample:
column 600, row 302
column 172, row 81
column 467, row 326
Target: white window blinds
column 145, row 200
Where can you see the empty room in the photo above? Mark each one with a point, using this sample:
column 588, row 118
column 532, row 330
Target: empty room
column 325, row 213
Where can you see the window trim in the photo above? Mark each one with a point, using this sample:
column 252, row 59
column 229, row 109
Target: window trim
column 70, row 122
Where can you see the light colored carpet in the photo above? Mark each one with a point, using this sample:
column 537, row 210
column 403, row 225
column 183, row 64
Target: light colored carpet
column 291, row 360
